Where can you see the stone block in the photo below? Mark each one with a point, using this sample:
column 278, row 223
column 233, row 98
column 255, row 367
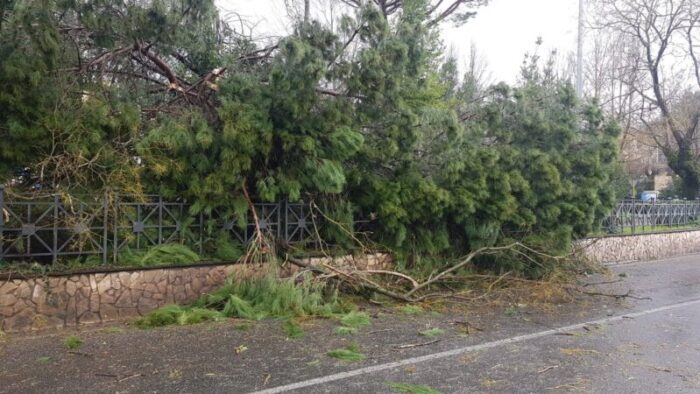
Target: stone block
column 24, row 290
column 124, row 299
column 104, row 284
column 6, row 311
column 88, row 317
column 109, row 312
column 146, row 305
column 71, row 313
column 20, row 321
column 7, row 287
column 130, row 312
column 71, row 287
column 7, row 300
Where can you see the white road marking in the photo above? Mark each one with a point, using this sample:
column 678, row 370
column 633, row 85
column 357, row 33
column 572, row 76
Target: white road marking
column 456, row 352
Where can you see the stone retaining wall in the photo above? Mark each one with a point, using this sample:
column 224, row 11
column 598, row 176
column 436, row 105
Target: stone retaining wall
column 76, row 299
column 639, row 247
column 71, row 300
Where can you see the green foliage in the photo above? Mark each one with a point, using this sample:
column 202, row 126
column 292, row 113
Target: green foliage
column 385, row 132
column 351, row 322
column 342, row 330
column 177, row 315
column 271, row 297
column 355, row 319
column 72, row 342
column 432, row 332
column 292, row 330
column 411, row 388
column 411, row 309
column 350, row 353
column 174, row 254
column 243, row 327
column 253, row 299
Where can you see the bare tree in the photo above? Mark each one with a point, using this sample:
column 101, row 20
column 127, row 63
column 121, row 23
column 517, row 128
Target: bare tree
column 648, row 64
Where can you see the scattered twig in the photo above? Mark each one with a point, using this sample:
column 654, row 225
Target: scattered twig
column 80, row 353
column 378, row 331
column 616, row 296
column 412, row 345
column 568, row 334
column 129, row 377
column 107, row 375
column 467, row 325
column 394, row 273
column 602, row 283
column 545, row 369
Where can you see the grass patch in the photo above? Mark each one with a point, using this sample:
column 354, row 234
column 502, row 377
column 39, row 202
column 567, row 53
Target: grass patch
column 351, row 322
column 253, row 299
column 293, row 330
column 432, row 332
column 342, row 330
column 113, row 330
column 72, row 342
column 42, row 360
column 350, row 353
column 411, row 309
column 411, row 388
column 512, row 310
column 243, row 327
column 355, row 319
column 175, row 314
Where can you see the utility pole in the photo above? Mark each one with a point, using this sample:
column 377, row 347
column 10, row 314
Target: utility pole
column 579, row 55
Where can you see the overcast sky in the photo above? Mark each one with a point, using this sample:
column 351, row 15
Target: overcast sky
column 503, row 31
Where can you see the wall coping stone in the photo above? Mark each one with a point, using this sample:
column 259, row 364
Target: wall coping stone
column 639, row 234
column 108, row 269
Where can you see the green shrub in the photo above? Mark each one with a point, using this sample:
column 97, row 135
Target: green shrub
column 73, row 342
column 175, row 314
column 253, row 299
column 174, row 254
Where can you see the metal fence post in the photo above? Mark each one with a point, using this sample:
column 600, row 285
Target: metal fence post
column 54, row 248
column 634, row 216
column 115, row 245
column 105, row 226
column 2, row 220
column 160, row 220
column 201, row 233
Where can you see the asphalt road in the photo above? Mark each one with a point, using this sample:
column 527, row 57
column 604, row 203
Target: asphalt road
column 648, row 343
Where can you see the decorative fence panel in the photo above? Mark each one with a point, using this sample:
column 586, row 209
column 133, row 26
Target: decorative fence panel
column 50, row 228
column 633, row 216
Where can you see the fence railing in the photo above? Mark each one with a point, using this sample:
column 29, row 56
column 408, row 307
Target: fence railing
column 52, row 227
column 634, row 216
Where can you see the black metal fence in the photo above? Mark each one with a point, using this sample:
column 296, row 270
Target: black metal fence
column 56, row 227
column 634, row 216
